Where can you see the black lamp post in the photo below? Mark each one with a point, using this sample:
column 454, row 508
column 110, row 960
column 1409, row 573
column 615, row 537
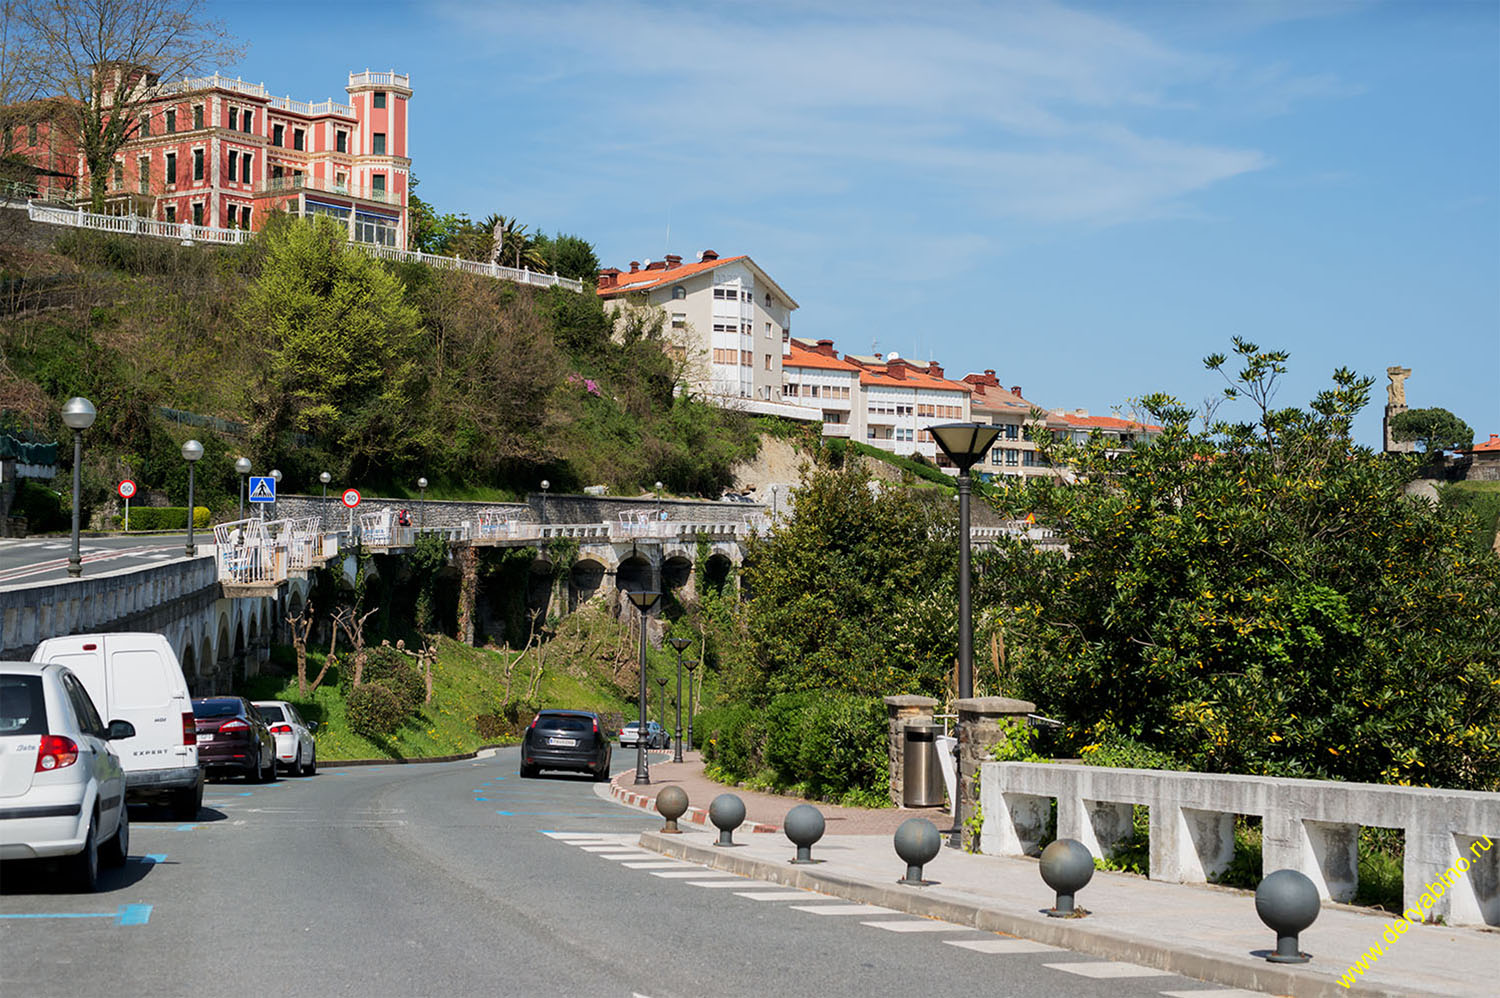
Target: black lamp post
column 681, row 644
column 422, row 503
column 643, row 601
column 661, row 698
column 325, row 478
column 545, row 486
column 78, row 414
column 964, row 444
column 691, row 665
column 191, row 452
column 242, row 465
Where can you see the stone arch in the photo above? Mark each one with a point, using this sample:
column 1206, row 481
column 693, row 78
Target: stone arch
column 676, row 572
column 585, row 579
column 189, row 661
column 224, row 659
column 539, row 582
column 717, row 571
column 634, row 574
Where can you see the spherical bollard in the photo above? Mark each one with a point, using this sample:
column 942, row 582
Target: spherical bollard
column 917, row 843
column 672, row 803
column 727, row 812
column 804, row 825
column 1067, row 865
column 1287, row 901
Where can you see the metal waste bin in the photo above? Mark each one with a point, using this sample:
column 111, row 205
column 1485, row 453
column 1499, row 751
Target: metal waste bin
column 921, row 774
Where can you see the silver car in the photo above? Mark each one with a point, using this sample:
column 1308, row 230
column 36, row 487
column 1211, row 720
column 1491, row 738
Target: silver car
column 62, row 788
column 296, row 751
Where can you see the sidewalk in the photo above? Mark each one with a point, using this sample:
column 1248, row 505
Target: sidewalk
column 1199, row 931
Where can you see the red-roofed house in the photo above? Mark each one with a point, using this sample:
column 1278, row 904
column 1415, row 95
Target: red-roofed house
column 902, row 399
column 814, row 375
column 727, row 318
column 1013, row 454
column 1486, row 463
column 1119, row 434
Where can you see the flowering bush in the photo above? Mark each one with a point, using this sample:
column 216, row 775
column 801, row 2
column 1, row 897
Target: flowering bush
column 589, row 384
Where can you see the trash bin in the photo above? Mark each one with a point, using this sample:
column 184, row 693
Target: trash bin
column 922, row 774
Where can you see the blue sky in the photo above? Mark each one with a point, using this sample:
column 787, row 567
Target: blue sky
column 1087, row 198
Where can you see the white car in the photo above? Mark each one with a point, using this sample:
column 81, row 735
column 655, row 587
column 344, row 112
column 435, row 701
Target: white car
column 656, row 735
column 295, row 749
column 62, row 788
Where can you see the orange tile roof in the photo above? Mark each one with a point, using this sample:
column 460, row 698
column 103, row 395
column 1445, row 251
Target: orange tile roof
column 1492, row 444
column 913, row 379
column 644, row 280
column 990, row 397
column 1105, row 423
column 803, row 357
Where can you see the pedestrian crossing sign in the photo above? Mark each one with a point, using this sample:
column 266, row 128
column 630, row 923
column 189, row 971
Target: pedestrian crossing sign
column 263, row 489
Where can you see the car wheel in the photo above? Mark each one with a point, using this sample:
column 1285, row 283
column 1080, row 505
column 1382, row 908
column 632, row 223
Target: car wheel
column 117, row 849
column 83, row 869
column 186, row 803
column 270, row 773
column 296, row 769
column 603, row 775
column 528, row 772
column 312, row 764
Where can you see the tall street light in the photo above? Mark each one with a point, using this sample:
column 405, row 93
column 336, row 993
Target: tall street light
column 964, row 444
column 681, row 644
column 545, row 486
column 325, row 478
column 658, row 502
column 691, row 665
column 276, row 477
column 78, row 414
column 661, row 698
column 242, row 466
column 191, row 452
column 643, row 601
column 422, row 503
column 773, row 502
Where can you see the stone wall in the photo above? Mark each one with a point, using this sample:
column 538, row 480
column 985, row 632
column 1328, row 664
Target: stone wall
column 898, row 711
column 982, row 723
column 558, row 509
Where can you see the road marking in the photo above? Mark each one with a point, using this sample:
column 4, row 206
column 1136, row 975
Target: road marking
column 600, row 848
column 662, row 864
column 771, row 895
column 924, row 925
column 1003, row 945
column 186, row 828
column 153, row 858
column 617, row 856
column 728, row 883
column 681, row 874
column 845, row 909
column 1232, row 993
column 1108, row 969
column 126, row 914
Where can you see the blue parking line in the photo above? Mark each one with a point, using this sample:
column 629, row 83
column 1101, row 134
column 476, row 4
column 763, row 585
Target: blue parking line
column 508, row 814
column 186, row 828
column 481, row 799
column 134, row 914
column 126, row 914
column 153, row 858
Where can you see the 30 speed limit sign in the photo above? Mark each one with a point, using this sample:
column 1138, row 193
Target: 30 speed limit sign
column 351, row 498
column 126, row 489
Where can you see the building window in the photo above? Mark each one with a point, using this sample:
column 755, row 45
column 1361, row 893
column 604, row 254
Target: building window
column 278, row 135
column 768, row 330
column 380, row 98
column 197, row 167
column 171, row 120
column 171, row 213
column 31, row 134
column 377, row 185
column 1012, row 457
column 234, row 119
column 1028, row 458
column 341, row 140
column 245, row 218
column 747, row 358
column 197, row 115
column 299, row 138
column 197, row 212
column 245, row 168
column 119, row 171
column 234, row 164
column 143, row 168
column 171, row 171
column 249, row 120
column 679, row 292
column 145, row 124
column 1012, row 431
column 768, row 362
column 679, row 320
column 378, row 147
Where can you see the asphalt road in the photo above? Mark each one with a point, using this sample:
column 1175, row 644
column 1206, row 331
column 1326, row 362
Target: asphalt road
column 462, row 879
column 45, row 559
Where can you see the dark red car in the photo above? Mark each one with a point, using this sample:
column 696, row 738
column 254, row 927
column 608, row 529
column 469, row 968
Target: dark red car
column 233, row 739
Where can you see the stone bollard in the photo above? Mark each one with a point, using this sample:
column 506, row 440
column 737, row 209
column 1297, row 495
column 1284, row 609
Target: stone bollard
column 1067, row 866
column 1287, row 901
column 804, row 825
column 917, row 843
column 671, row 804
column 727, row 812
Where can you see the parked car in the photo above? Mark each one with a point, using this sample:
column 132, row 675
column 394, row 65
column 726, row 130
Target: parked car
column 656, row 735
column 135, row 676
column 233, row 739
column 295, row 748
column 566, row 739
column 62, row 787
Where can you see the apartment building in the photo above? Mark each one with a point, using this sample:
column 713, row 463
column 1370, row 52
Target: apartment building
column 726, row 317
column 221, row 152
column 1119, row 435
column 814, row 376
column 902, row 399
column 1013, row 453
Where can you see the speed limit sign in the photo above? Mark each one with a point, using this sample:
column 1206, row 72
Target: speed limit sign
column 126, row 489
column 351, row 498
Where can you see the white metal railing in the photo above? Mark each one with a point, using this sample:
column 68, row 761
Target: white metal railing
column 380, row 79
column 302, row 182
column 497, row 526
column 189, row 84
column 246, row 554
column 134, row 225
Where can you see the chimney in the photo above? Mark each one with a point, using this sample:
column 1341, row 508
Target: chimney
column 934, row 369
column 673, row 261
column 709, row 255
column 658, row 265
column 609, row 277
column 635, row 266
column 1015, row 390
column 825, row 347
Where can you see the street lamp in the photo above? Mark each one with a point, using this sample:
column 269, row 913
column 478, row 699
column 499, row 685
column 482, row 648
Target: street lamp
column 242, row 465
column 276, row 477
column 661, row 698
column 691, row 665
column 773, row 502
column 545, row 486
column 658, row 502
column 681, row 644
column 964, row 444
column 191, row 452
column 78, row 414
column 422, row 503
column 325, row 478
column 643, row 601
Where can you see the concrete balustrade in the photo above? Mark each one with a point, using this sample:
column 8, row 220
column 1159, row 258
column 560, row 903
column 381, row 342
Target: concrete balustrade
column 1307, row 825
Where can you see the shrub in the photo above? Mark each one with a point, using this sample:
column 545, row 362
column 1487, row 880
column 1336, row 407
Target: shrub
column 391, row 668
column 164, row 518
column 491, row 727
column 374, row 710
column 42, row 508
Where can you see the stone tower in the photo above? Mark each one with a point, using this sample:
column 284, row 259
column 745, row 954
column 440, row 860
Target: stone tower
column 1395, row 403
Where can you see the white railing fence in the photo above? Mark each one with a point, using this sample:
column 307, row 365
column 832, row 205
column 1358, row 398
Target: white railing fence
column 245, row 553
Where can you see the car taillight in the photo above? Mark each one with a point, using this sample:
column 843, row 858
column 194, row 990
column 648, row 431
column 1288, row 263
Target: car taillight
column 56, row 752
column 189, row 728
column 596, row 725
column 233, row 726
column 282, row 729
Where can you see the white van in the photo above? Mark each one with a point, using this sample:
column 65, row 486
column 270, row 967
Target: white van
column 136, row 677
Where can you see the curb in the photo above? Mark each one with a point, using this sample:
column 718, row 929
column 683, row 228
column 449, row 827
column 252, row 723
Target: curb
column 1070, row 934
column 409, row 762
column 697, row 815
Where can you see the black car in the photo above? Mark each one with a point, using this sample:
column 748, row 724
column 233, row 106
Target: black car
column 566, row 739
column 233, row 738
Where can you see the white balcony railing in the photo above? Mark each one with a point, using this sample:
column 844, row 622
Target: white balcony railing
column 312, row 110
column 837, row 430
column 277, row 185
column 215, row 82
column 380, row 79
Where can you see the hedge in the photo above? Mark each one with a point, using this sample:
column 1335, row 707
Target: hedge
column 374, row 710
column 164, row 518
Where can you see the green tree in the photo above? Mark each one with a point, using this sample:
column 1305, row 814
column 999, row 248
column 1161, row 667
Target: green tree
column 1258, row 597
column 340, row 343
column 1435, row 430
column 568, row 256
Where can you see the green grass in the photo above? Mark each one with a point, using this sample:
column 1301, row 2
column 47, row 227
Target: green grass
column 1482, row 499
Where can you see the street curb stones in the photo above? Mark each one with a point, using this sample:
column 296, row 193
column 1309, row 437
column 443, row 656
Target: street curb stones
column 697, row 815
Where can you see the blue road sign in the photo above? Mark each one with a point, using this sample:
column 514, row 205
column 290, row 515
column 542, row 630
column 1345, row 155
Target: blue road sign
column 263, row 489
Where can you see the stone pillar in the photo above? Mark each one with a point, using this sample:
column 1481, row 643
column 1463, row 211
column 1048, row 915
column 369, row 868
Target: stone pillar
column 981, row 724
column 899, row 710
column 1395, row 405
column 468, row 586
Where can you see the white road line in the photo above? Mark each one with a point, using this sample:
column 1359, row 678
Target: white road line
column 1232, row 993
column 1003, row 945
column 1108, row 969
column 924, row 925
column 657, row 865
column 728, row 883
column 600, row 848
column 680, row 874
column 845, row 909
column 640, row 854
column 771, row 895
